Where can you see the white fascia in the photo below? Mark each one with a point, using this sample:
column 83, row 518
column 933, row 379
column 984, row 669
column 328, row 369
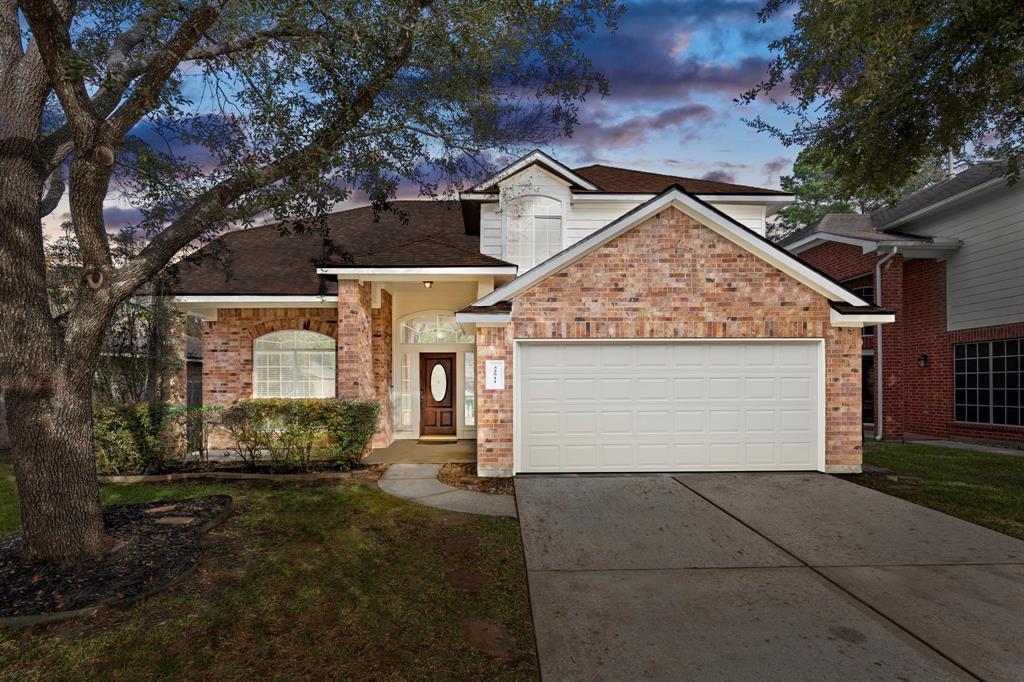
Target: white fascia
column 533, row 157
column 782, row 199
column 355, row 273
column 225, row 299
column 707, row 216
column 847, row 320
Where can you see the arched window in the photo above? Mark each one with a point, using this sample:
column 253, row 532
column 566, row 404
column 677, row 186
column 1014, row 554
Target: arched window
column 534, row 230
column 293, row 364
column 434, row 328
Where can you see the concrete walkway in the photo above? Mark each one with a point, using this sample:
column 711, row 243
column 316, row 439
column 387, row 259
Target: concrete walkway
column 418, row 483
column 763, row 577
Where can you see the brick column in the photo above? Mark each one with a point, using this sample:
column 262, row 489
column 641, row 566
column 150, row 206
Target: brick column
column 355, row 342
column 493, row 407
column 892, row 361
column 382, row 368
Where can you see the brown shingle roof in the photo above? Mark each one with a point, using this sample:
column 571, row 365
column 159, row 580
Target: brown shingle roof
column 499, row 307
column 611, row 179
column 260, row 261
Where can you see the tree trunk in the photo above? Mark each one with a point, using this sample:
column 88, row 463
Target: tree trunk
column 55, row 470
column 48, row 403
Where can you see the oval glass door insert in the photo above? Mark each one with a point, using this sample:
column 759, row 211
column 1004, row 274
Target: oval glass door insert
column 438, row 383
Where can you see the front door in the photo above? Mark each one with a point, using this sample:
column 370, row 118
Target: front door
column 437, row 394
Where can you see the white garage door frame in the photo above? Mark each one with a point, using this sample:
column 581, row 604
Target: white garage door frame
column 517, row 393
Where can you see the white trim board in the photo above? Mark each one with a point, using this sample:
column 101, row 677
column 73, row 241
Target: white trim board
column 696, row 209
column 534, row 157
column 353, row 273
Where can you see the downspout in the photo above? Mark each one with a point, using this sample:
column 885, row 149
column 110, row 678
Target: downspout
column 880, row 417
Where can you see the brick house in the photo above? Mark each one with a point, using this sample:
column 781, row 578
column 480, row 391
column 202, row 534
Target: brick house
column 947, row 261
column 568, row 320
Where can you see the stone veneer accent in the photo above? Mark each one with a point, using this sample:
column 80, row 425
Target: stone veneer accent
column 671, row 277
column 382, row 325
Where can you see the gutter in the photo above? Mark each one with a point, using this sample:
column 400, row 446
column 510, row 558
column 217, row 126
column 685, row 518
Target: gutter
column 880, row 417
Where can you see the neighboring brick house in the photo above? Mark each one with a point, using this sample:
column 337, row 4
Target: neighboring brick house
column 569, row 320
column 947, row 261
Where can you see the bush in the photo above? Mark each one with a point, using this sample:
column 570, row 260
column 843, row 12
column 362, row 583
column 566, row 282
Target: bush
column 192, row 427
column 296, row 432
column 128, row 439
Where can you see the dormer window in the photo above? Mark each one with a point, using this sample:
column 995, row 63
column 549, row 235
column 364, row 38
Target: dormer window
column 534, row 230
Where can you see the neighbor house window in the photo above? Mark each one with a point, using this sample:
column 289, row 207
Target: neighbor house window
column 534, row 230
column 868, row 294
column 989, row 382
column 293, row 364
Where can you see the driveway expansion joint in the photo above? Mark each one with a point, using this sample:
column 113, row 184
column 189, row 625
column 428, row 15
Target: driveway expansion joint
column 836, row 585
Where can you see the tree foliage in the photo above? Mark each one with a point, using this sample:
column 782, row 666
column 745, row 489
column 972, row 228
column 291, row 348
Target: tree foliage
column 878, row 86
column 201, row 114
column 817, row 192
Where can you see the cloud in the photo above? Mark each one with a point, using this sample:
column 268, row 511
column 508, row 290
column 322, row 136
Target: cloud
column 719, row 176
column 599, row 130
column 774, row 169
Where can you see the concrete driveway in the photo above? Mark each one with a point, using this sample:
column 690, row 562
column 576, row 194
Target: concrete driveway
column 763, row 576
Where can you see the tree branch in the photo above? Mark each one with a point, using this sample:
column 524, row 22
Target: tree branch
column 49, row 27
column 161, row 65
column 211, row 204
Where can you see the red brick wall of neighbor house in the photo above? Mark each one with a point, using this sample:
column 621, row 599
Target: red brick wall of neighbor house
column 839, row 261
column 917, row 400
column 673, row 278
column 927, row 395
column 382, row 368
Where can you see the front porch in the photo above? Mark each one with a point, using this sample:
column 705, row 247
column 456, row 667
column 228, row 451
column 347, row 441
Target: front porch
column 409, row 451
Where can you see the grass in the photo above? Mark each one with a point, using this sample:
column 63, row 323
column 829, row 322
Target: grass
column 304, row 581
column 987, row 489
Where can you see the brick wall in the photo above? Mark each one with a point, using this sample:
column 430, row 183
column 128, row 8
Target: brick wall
column 227, row 348
column 493, row 407
column 839, row 261
column 382, row 368
column 355, row 342
column 673, row 278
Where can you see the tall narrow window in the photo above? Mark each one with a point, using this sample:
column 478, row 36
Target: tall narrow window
column 293, row 364
column 534, row 230
column 469, row 388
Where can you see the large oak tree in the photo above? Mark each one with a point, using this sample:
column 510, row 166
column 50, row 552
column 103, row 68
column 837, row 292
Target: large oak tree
column 205, row 113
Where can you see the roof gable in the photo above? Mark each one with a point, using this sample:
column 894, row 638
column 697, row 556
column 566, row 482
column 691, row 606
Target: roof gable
column 704, row 214
column 535, row 158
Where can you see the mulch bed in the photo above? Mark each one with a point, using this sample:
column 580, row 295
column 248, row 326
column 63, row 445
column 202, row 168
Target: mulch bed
column 158, row 544
column 464, row 476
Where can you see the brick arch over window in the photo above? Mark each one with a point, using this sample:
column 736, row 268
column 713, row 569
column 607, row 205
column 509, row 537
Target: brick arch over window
column 325, row 327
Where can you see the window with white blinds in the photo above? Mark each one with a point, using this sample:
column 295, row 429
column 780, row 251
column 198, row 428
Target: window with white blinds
column 293, row 364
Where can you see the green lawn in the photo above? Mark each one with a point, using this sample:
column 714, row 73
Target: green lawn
column 315, row 581
column 986, row 489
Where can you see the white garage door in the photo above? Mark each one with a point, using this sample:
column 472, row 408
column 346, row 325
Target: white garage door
column 672, row 406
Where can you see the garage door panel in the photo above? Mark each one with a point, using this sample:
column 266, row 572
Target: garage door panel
column 668, row 406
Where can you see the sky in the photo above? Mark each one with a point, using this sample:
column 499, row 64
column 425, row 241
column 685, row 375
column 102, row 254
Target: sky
column 674, row 69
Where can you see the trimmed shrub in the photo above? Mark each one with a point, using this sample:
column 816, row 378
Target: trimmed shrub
column 128, row 439
column 297, row 432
